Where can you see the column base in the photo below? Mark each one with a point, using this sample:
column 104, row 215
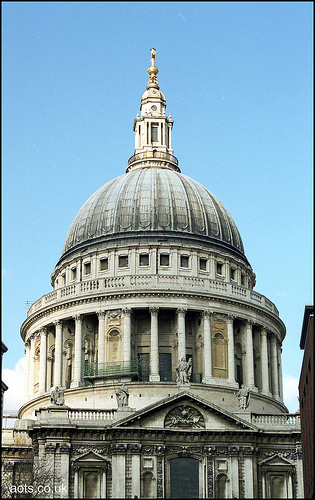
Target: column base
column 207, row 380
column 233, row 383
column 154, row 378
column 75, row 384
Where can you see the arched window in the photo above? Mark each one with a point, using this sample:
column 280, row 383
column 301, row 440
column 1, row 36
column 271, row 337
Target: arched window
column 221, row 486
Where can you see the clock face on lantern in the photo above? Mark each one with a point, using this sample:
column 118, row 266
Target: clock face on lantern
column 154, row 108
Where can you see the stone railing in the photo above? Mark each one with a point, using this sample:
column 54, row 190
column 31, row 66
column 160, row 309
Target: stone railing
column 157, row 155
column 152, row 283
column 91, row 415
column 284, row 420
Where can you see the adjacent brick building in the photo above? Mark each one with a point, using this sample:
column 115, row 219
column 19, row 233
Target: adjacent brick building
column 306, row 388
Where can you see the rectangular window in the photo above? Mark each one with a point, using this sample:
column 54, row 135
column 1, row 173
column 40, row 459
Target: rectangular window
column 87, row 268
column 74, row 273
column 219, row 268
column 184, row 261
column 164, row 259
column 243, row 279
column 232, row 273
column 123, row 261
column 104, row 264
column 154, row 132
column 203, row 264
column 144, row 259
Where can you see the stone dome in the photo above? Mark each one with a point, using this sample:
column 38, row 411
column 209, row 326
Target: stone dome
column 149, row 201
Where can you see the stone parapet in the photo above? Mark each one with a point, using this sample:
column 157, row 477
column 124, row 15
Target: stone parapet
column 152, row 283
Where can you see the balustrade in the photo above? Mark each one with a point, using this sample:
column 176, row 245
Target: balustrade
column 151, row 282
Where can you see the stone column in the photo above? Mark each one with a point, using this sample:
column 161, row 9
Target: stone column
column 64, row 469
column 76, row 482
column 249, row 356
column 264, row 362
column 58, row 353
column 103, row 484
column 119, row 473
column 127, row 335
column 27, row 369
column 78, row 337
column 43, row 361
column 181, row 333
column 101, row 337
column 274, row 366
column 290, row 485
column 248, row 476
column 235, row 476
column 31, row 375
column 231, row 354
column 207, row 355
column 136, row 470
column 154, row 352
column 280, row 372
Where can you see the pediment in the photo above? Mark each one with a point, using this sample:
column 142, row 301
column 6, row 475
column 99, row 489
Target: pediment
column 184, row 411
column 90, row 456
column 277, row 460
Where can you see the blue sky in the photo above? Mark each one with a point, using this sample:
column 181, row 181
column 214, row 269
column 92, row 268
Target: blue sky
column 237, row 77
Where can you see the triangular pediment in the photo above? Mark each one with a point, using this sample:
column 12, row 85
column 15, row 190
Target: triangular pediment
column 89, row 456
column 276, row 460
column 184, row 411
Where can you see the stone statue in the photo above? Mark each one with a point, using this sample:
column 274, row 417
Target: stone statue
column 243, row 397
column 57, row 397
column 122, row 395
column 183, row 371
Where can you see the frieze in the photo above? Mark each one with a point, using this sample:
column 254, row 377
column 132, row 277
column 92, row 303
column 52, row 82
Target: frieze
column 209, row 450
column 65, row 448
column 184, row 451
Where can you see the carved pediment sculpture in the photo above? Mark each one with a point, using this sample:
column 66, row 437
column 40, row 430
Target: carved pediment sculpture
column 184, row 417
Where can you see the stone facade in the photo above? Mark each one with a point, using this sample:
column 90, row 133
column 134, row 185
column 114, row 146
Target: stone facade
column 153, row 369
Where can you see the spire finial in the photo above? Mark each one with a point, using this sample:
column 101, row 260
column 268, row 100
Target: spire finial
column 153, row 71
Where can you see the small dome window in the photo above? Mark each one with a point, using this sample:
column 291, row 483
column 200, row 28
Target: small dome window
column 184, row 261
column 144, row 259
column 104, row 264
column 123, row 261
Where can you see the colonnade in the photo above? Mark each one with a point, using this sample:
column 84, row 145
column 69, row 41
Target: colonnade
column 270, row 363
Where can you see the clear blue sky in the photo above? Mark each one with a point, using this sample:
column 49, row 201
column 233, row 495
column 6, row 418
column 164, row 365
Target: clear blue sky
column 237, row 77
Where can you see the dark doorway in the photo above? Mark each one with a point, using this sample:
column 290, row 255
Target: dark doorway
column 184, row 478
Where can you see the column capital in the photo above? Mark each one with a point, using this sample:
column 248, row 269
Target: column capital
column 126, row 311
column 181, row 311
column 207, row 313
column 264, row 331
column 78, row 318
column 58, row 322
column 43, row 331
column 231, row 317
column 101, row 314
column 249, row 322
column 154, row 310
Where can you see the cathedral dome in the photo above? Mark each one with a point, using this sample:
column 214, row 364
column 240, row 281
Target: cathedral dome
column 150, row 200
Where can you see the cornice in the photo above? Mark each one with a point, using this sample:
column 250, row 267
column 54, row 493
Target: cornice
column 69, row 303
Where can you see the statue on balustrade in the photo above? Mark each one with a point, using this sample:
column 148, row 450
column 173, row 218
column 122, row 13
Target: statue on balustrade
column 183, row 371
column 122, row 395
column 243, row 397
column 57, row 396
